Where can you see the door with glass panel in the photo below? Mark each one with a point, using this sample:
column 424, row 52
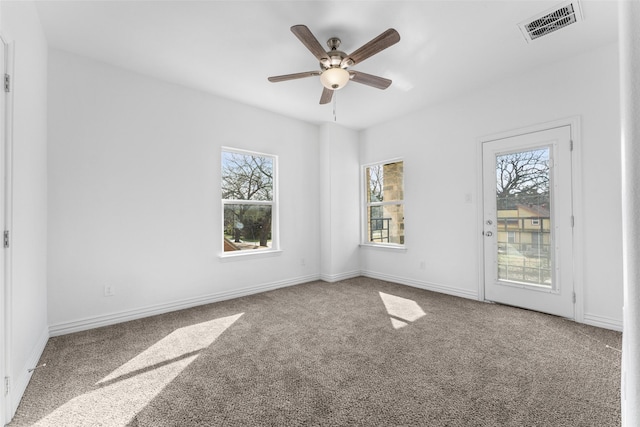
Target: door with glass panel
column 528, row 236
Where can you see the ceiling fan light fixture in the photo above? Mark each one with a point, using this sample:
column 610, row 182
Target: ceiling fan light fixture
column 334, row 78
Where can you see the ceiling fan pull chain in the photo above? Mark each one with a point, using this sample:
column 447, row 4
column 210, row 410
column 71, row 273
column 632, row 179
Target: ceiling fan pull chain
column 335, row 118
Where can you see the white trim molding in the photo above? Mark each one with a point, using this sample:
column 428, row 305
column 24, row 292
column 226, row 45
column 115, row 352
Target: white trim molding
column 421, row 284
column 602, row 322
column 87, row 323
column 332, row 278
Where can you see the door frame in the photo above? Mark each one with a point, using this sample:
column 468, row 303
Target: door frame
column 574, row 123
column 6, row 176
column 4, row 303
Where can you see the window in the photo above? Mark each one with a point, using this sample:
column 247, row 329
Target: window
column 384, row 204
column 248, row 202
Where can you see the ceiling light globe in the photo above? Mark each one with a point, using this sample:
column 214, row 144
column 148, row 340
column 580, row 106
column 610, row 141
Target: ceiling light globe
column 334, row 78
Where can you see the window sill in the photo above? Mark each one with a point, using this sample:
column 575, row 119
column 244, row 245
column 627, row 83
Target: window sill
column 237, row 255
column 393, row 248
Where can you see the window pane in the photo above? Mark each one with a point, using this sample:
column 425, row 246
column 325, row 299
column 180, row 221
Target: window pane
column 374, row 183
column 385, row 224
column 384, row 182
column 247, row 227
column 524, row 220
column 246, row 177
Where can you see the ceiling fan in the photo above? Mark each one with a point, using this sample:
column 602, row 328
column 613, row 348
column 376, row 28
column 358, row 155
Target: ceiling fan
column 334, row 64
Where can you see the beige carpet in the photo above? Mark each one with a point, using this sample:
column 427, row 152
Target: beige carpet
column 359, row 352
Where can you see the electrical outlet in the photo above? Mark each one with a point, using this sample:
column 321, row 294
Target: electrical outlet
column 302, row 262
column 109, row 291
column 423, row 265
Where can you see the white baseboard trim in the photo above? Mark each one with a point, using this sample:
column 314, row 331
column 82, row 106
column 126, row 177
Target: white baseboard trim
column 64, row 328
column 331, row 278
column 22, row 377
column 443, row 289
column 602, row 322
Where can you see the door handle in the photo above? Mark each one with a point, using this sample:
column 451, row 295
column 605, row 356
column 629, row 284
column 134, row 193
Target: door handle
column 488, row 233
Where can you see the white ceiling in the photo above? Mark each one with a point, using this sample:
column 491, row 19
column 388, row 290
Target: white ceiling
column 229, row 48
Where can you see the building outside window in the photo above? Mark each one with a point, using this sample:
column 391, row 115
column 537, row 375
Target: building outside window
column 248, row 202
column 384, row 204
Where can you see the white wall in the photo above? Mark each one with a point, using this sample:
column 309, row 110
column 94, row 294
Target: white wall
column 134, row 195
column 339, row 207
column 20, row 27
column 440, row 148
column 133, row 177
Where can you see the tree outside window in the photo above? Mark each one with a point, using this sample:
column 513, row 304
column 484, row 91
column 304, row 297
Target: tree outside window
column 524, row 223
column 522, row 179
column 384, row 203
column 248, row 190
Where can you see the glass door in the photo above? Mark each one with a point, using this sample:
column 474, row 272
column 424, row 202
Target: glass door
column 527, row 221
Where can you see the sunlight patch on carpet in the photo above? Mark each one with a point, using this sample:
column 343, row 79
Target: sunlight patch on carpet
column 401, row 310
column 122, row 394
column 397, row 324
column 177, row 344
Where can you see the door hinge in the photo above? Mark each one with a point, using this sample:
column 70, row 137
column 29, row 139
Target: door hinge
column 6, row 385
column 6, row 238
column 574, row 298
column 571, row 145
column 7, row 83
column 573, row 221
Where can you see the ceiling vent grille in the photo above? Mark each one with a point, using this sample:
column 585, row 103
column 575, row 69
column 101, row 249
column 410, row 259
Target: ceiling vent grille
column 552, row 20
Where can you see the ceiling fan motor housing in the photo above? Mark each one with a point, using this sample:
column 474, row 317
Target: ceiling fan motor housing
column 334, row 75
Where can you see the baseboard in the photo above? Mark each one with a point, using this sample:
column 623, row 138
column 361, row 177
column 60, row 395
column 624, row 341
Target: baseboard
column 64, row 328
column 22, row 377
column 124, row 316
column 444, row 289
column 340, row 276
column 602, row 322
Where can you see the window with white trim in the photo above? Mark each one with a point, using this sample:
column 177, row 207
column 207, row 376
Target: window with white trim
column 384, row 204
column 249, row 207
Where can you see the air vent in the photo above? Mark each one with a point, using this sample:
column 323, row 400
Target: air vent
column 554, row 19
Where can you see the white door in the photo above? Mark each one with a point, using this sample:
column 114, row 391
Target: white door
column 528, row 221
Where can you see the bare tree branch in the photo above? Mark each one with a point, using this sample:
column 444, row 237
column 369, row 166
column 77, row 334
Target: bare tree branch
column 247, row 177
column 522, row 178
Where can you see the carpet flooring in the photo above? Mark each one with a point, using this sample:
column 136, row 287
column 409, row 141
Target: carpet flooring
column 359, row 352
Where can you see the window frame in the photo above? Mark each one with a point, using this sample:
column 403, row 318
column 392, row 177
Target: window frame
column 273, row 203
column 365, row 205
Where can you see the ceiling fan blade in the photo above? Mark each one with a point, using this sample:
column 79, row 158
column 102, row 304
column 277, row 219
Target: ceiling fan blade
column 310, row 41
column 383, row 41
column 370, row 80
column 327, row 94
column 285, row 77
